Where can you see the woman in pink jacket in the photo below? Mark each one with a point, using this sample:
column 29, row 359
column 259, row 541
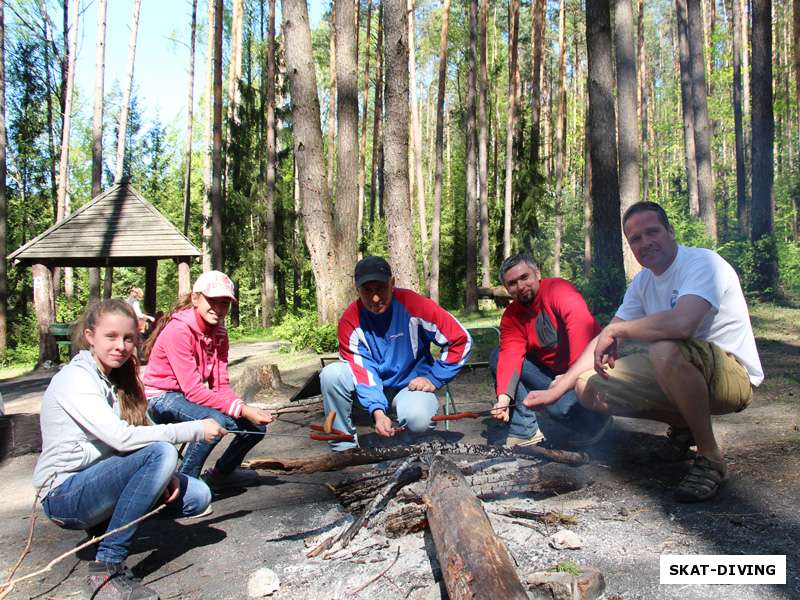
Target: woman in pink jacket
column 187, row 379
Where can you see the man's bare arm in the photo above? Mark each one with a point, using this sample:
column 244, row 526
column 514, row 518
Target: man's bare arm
column 679, row 323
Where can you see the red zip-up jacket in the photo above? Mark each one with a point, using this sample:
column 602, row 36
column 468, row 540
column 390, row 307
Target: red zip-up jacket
column 552, row 331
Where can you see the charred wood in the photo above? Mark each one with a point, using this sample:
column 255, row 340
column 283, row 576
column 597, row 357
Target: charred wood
column 475, row 562
column 339, row 460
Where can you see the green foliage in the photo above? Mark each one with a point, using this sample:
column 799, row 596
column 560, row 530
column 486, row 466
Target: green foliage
column 567, row 566
column 305, row 332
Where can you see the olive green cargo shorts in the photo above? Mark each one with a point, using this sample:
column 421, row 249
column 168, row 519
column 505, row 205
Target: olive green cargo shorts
column 633, row 391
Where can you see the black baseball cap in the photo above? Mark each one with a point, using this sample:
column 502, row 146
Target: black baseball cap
column 372, row 268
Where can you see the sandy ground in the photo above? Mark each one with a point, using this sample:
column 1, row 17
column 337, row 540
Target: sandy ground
column 626, row 519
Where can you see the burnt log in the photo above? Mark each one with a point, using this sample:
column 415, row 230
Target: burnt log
column 475, row 563
column 496, row 481
column 363, row 456
column 406, row 513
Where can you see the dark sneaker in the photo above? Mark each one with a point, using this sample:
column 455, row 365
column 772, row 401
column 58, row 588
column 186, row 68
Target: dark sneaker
column 593, row 433
column 114, row 581
column 237, row 478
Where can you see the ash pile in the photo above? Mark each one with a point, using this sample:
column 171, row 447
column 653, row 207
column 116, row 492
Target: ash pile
column 454, row 506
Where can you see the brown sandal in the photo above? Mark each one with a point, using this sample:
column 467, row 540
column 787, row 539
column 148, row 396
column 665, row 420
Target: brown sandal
column 703, row 481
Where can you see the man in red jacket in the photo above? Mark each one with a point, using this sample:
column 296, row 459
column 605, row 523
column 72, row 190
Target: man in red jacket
column 542, row 332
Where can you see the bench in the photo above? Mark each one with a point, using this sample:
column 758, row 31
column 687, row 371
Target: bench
column 62, row 332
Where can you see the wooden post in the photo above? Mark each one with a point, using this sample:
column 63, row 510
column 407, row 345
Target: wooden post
column 475, row 563
column 108, row 280
column 184, row 277
column 151, row 270
column 45, row 312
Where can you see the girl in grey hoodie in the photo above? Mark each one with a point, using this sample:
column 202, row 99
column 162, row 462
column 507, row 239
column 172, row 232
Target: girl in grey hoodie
column 102, row 463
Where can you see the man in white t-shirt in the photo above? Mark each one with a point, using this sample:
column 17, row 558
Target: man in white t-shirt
column 687, row 304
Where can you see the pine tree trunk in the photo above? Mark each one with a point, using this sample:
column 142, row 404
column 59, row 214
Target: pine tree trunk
column 376, row 122
column 471, row 196
column 416, row 137
column 3, row 205
column 766, row 266
column 63, row 168
column 607, row 264
column 333, row 275
column 268, row 290
column 512, row 121
column 332, row 98
column 738, row 120
column 97, row 129
column 97, row 119
column 234, row 90
column 126, row 95
column 643, row 100
column 560, row 137
column 626, row 124
column 702, row 124
column 44, row 305
column 687, row 104
column 63, row 198
column 207, row 136
column 187, row 178
column 216, row 150
column 362, row 166
column 537, row 37
column 345, row 220
column 397, row 202
column 483, row 146
column 796, row 33
column 433, row 285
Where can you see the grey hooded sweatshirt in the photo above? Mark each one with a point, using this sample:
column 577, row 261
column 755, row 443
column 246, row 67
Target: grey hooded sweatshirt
column 81, row 424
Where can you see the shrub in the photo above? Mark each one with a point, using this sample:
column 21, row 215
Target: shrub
column 305, row 332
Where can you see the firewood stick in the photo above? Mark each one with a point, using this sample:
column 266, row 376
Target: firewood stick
column 405, row 474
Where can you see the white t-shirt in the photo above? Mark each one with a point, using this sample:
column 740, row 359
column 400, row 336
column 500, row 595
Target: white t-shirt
column 704, row 273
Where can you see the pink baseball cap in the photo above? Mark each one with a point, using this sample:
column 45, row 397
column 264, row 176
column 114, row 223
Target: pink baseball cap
column 214, row 284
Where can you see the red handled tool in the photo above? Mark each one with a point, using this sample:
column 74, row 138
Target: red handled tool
column 469, row 414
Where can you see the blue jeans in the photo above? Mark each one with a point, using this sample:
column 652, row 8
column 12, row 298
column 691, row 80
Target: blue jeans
column 414, row 409
column 123, row 487
column 173, row 407
column 566, row 410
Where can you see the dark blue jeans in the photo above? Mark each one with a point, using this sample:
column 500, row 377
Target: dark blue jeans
column 566, row 410
column 173, row 407
column 123, row 487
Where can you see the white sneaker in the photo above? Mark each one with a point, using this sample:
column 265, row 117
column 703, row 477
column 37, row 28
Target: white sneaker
column 208, row 511
column 536, row 439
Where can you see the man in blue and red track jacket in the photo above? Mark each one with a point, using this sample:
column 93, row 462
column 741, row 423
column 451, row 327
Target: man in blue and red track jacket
column 542, row 333
column 385, row 358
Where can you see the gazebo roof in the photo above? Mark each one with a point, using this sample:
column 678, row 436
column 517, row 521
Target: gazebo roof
column 117, row 228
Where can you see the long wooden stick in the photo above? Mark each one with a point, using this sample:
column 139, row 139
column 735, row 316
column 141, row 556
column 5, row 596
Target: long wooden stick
column 9, row 585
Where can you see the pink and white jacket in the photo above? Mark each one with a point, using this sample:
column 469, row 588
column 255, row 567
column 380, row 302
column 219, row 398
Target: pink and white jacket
column 191, row 357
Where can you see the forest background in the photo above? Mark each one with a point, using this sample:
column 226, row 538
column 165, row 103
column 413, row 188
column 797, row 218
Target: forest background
column 442, row 135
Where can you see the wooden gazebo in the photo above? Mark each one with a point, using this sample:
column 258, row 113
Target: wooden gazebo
column 118, row 228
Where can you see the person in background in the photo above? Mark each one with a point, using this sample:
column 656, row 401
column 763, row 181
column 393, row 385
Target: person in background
column 187, row 379
column 135, row 297
column 103, row 464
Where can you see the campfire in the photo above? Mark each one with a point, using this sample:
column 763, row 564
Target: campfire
column 441, row 486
